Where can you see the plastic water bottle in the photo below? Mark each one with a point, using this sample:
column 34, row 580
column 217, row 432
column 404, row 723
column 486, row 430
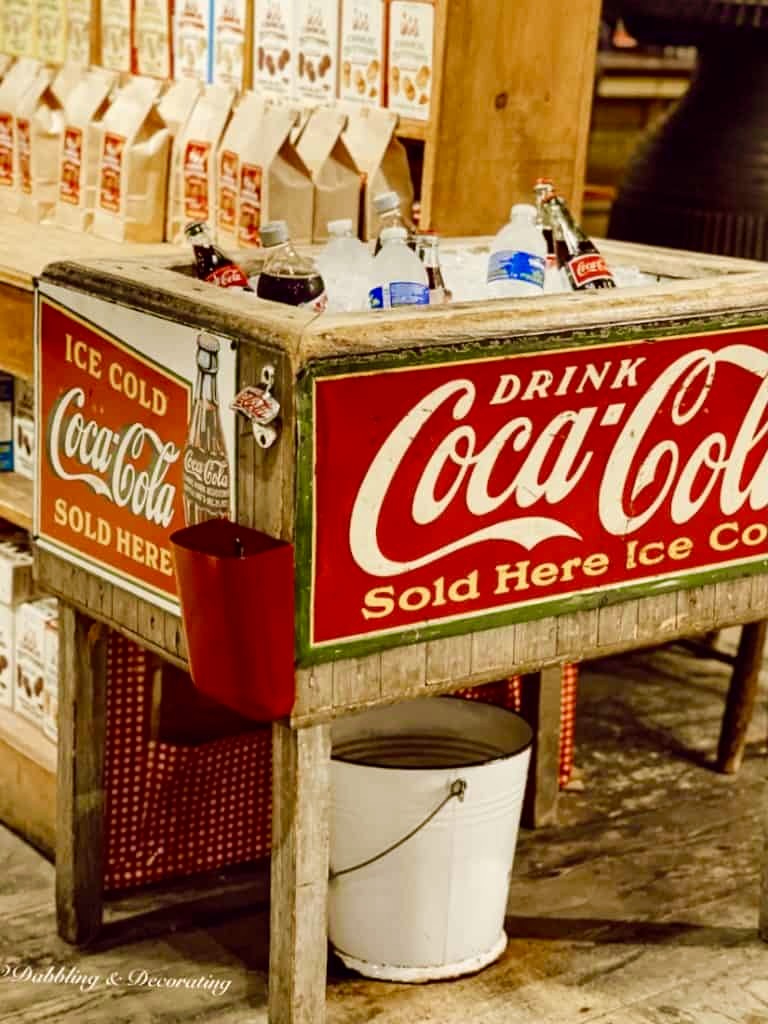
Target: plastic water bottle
column 518, row 256
column 387, row 206
column 345, row 266
column 398, row 277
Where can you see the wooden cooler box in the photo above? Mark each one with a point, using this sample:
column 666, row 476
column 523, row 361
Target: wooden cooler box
column 462, row 494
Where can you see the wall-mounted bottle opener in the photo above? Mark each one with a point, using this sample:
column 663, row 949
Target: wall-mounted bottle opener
column 259, row 405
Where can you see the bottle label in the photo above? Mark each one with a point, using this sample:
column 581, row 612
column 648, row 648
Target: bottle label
column 511, row 265
column 24, row 137
column 408, row 293
column 6, row 149
column 250, row 205
column 588, row 268
column 376, row 297
column 195, row 173
column 230, row 276
column 71, row 166
column 229, row 166
column 318, row 304
column 110, row 178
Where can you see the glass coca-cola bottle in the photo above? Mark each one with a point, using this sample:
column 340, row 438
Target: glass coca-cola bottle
column 428, row 251
column 206, row 465
column 211, row 264
column 577, row 255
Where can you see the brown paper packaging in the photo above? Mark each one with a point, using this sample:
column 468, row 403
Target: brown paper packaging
column 239, row 175
column 80, row 149
column 39, row 126
column 381, row 159
column 193, row 186
column 334, row 173
column 133, row 166
column 19, row 78
column 175, row 107
column 285, row 191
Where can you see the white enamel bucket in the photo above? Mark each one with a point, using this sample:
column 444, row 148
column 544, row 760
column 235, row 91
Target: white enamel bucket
column 433, row 907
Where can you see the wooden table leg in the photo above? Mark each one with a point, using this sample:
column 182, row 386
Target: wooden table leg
column 80, row 782
column 298, row 926
column 740, row 701
column 540, row 707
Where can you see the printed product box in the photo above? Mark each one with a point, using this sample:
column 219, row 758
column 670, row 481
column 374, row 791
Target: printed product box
column 229, row 28
column 411, row 43
column 116, row 29
column 152, row 38
column 192, row 40
column 23, row 428
column 82, row 37
column 16, row 582
column 31, row 620
column 19, row 33
column 7, row 655
column 51, row 680
column 274, row 47
column 361, row 77
column 12, row 89
column 51, row 31
column 6, row 422
column 317, row 49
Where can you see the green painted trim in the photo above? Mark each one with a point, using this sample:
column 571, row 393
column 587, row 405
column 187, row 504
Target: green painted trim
column 473, row 350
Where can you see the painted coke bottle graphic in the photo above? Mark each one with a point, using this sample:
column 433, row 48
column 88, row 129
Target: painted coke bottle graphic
column 206, row 465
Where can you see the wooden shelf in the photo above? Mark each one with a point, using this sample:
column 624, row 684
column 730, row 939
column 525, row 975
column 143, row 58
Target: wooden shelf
column 409, row 128
column 16, row 499
column 26, row 739
column 27, row 781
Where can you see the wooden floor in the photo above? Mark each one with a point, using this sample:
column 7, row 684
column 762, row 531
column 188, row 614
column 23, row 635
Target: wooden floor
column 640, row 908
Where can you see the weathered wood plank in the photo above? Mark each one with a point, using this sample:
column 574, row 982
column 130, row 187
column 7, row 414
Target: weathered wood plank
column 448, row 659
column 404, row 670
column 356, row 681
column 576, row 632
column 80, row 803
column 314, row 689
column 99, row 597
column 733, row 600
column 125, row 609
column 695, row 610
column 741, row 697
column 494, row 649
column 151, row 624
column 657, row 616
column 540, row 707
column 536, row 640
column 617, row 623
column 300, row 850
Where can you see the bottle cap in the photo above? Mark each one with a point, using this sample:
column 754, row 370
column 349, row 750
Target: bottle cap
column 386, row 201
column 207, row 342
column 196, row 227
column 522, row 210
column 274, row 233
column 394, row 232
column 339, row 227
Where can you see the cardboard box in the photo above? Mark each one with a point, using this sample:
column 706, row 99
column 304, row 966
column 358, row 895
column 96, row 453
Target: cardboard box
column 51, row 31
column 152, row 38
column 6, row 422
column 51, row 680
column 19, row 19
column 28, row 689
column 229, row 37
column 23, row 429
column 7, row 655
column 192, row 48
column 317, row 50
column 31, row 620
column 16, row 582
column 410, row 58
column 361, row 66
column 116, row 34
column 274, row 48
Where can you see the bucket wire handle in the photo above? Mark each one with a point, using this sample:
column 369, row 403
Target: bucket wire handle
column 457, row 791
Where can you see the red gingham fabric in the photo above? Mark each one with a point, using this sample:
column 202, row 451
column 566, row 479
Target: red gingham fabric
column 173, row 811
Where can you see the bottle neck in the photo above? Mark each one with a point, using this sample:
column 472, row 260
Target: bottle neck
column 563, row 226
column 202, row 237
column 392, row 219
column 430, row 255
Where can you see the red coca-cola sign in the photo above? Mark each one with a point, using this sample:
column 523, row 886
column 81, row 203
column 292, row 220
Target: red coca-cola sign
column 446, row 497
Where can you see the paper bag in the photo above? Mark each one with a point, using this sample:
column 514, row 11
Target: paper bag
column 334, row 173
column 133, row 166
column 175, row 107
column 80, row 149
column 22, row 76
column 193, row 186
column 381, row 159
column 239, row 175
column 39, row 127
